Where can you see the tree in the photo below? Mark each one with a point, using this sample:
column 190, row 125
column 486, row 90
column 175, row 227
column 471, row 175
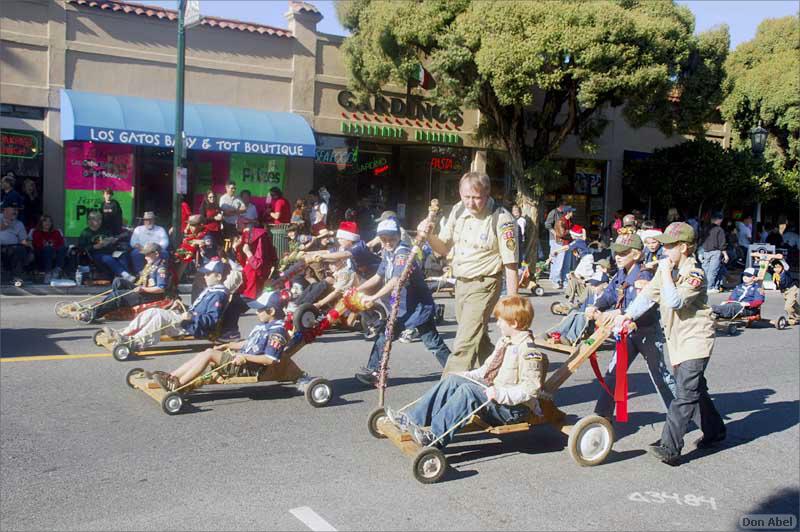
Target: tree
column 699, row 175
column 541, row 71
column 763, row 85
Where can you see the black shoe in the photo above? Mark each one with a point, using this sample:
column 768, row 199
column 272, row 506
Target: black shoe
column 367, row 377
column 708, row 443
column 664, row 454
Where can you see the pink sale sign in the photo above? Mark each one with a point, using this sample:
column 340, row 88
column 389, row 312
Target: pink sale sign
column 91, row 166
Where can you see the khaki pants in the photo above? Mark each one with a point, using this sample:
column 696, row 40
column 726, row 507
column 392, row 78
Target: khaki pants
column 146, row 328
column 475, row 301
column 790, row 304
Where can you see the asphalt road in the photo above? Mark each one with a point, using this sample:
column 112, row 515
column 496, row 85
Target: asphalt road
column 82, row 451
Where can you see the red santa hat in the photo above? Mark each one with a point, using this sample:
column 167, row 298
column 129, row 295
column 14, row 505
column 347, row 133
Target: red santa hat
column 577, row 231
column 348, row 231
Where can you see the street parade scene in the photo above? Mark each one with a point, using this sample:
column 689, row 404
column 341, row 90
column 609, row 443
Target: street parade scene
column 399, row 265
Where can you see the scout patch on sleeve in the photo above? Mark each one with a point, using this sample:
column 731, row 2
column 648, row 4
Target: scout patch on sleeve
column 277, row 341
column 695, row 278
column 505, row 226
column 400, row 260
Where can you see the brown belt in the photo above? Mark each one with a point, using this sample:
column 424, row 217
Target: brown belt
column 479, row 279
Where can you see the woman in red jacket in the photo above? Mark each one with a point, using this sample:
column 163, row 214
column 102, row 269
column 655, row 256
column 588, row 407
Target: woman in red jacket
column 257, row 255
column 48, row 246
column 212, row 214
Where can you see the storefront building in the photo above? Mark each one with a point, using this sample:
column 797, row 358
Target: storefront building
column 90, row 85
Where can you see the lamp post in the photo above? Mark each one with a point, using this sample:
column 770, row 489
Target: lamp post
column 758, row 141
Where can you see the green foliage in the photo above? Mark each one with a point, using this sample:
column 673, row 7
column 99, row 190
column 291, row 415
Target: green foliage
column 764, row 85
column 700, row 175
column 541, row 71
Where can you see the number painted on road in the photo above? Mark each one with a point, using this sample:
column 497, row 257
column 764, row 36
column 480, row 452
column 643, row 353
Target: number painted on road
column 655, row 497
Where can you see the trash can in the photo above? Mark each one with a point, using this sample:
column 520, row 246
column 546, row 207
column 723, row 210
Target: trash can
column 280, row 238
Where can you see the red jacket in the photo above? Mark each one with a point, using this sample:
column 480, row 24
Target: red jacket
column 53, row 238
column 284, row 210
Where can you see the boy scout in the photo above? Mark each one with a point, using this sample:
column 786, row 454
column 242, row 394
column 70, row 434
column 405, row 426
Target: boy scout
column 150, row 286
column 679, row 287
column 482, row 236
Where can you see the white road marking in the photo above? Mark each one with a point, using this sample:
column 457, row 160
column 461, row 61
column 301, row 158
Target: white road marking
column 312, row 519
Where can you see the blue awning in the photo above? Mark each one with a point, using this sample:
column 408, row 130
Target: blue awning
column 148, row 122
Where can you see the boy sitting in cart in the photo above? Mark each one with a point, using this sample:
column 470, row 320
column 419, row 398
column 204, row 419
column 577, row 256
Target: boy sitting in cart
column 150, row 286
column 264, row 346
column 745, row 299
column 199, row 320
column 504, row 390
column 571, row 328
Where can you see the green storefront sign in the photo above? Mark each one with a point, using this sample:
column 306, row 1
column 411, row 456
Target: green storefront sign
column 79, row 203
column 257, row 173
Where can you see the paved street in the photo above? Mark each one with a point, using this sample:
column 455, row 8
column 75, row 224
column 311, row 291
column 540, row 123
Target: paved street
column 82, row 451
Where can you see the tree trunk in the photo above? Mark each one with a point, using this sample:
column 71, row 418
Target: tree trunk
column 527, row 198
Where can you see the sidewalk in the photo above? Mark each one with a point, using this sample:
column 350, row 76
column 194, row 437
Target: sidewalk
column 36, row 289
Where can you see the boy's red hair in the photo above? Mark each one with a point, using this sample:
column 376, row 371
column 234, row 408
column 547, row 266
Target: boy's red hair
column 515, row 309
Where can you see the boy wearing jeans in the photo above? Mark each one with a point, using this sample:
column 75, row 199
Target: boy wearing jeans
column 508, row 383
column 679, row 287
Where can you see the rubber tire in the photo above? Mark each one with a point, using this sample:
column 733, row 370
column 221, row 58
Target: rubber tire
column 91, row 318
column 300, row 312
column 372, row 422
column 424, row 455
column 59, row 309
column 538, row 291
column 96, row 336
column 554, row 306
column 171, row 403
column 130, row 374
column 575, row 435
column 732, row 329
column 318, row 382
column 782, row 323
column 122, row 352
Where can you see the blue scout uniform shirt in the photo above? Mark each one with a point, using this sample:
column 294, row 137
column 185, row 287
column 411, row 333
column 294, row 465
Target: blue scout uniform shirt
column 157, row 277
column 207, row 310
column 416, row 301
column 747, row 293
column 627, row 282
column 785, row 281
column 268, row 339
column 364, row 261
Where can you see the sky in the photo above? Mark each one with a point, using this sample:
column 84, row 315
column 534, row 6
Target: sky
column 742, row 16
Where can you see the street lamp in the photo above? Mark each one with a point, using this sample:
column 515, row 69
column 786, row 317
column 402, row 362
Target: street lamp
column 758, row 139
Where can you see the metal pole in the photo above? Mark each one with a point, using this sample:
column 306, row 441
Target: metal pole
column 178, row 140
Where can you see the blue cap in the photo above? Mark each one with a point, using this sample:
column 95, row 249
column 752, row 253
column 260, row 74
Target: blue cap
column 268, row 300
column 389, row 227
column 567, row 209
column 213, row 266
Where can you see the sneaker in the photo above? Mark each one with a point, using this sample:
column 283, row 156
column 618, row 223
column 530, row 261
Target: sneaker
column 128, row 277
column 230, row 336
column 166, row 381
column 367, row 377
column 422, row 436
column 408, row 336
column 372, row 332
column 712, row 291
column 664, row 454
column 708, row 443
column 18, row 282
column 398, row 419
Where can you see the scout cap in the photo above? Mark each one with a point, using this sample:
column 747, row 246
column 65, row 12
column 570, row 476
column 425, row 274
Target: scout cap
column 649, row 233
column 268, row 300
column 149, row 215
column 627, row 242
column 385, row 215
column 677, row 232
column 389, row 227
column 151, row 247
column 629, row 219
column 749, row 272
column 605, row 263
column 213, row 266
column 598, row 278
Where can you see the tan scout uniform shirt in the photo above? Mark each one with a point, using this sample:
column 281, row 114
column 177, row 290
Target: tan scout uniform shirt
column 481, row 245
column 521, row 377
column 689, row 329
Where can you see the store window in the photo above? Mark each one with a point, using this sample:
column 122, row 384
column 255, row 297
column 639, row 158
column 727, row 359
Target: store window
column 584, row 189
column 21, row 156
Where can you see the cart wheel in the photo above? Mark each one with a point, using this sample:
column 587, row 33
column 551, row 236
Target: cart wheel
column 557, row 308
column 305, row 317
column 86, row 316
column 171, row 403
column 96, row 337
column 782, row 323
column 319, row 392
column 372, row 422
column 133, row 373
column 63, row 309
column 538, row 291
column 733, row 330
column 590, row 440
column 429, row 465
column 121, row 352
